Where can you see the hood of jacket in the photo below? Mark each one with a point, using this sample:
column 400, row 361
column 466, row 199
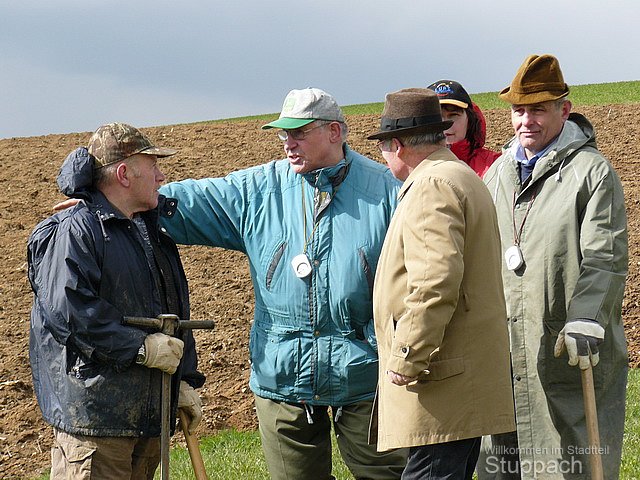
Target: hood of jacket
column 76, row 174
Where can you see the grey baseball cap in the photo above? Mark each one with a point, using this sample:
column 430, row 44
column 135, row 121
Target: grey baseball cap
column 302, row 107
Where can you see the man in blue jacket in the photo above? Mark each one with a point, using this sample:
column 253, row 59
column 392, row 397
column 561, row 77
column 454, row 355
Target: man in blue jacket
column 312, row 226
column 97, row 380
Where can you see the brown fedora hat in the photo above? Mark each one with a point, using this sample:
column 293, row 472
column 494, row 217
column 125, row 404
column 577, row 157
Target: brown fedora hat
column 539, row 79
column 410, row 111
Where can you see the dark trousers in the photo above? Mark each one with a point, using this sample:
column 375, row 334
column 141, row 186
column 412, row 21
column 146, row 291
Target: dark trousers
column 297, row 442
column 443, row 461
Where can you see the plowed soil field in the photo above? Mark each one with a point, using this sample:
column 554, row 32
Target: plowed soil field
column 218, row 279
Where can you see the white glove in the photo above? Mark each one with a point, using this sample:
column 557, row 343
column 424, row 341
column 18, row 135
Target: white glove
column 581, row 338
column 189, row 401
column 162, row 352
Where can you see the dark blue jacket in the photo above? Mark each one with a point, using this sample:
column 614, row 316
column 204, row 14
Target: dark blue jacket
column 88, row 267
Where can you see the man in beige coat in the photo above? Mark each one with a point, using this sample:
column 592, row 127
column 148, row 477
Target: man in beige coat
column 439, row 310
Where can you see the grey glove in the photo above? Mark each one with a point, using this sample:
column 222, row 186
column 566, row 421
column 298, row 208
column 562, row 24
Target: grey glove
column 189, row 401
column 581, row 338
column 162, row 352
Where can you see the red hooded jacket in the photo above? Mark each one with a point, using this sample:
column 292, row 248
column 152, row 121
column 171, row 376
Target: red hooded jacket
column 482, row 158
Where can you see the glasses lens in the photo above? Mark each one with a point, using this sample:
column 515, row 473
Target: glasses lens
column 298, row 134
column 386, row 145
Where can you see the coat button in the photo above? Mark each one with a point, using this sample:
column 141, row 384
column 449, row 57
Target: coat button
column 405, row 349
column 518, row 378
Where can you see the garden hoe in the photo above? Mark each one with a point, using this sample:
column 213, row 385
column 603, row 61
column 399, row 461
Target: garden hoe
column 168, row 324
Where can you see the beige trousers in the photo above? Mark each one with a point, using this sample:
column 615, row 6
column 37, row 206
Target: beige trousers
column 80, row 457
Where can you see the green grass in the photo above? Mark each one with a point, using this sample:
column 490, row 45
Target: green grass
column 631, row 445
column 591, row 94
column 231, row 455
column 594, row 94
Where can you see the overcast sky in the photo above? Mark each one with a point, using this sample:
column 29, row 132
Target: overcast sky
column 72, row 65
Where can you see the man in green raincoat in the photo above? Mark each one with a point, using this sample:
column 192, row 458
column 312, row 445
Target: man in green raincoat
column 562, row 223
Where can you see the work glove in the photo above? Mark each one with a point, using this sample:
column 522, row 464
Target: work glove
column 581, row 338
column 162, row 352
column 190, row 403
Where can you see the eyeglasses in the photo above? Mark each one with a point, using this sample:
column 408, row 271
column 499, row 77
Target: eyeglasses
column 385, row 145
column 298, row 133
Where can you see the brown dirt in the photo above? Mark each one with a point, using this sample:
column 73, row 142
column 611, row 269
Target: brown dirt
column 219, row 280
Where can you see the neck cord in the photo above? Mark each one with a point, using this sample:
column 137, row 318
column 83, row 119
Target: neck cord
column 304, row 221
column 316, row 221
column 517, row 232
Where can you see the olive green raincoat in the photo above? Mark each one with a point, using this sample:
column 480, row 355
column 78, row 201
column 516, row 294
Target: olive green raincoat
column 571, row 223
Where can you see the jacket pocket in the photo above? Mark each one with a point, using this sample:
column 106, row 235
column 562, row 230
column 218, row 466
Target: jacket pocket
column 275, row 352
column 78, row 453
column 441, row 369
column 73, row 455
column 366, row 269
column 356, row 362
column 275, row 261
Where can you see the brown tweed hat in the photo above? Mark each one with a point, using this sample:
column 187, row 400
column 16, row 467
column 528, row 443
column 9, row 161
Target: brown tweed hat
column 539, row 79
column 410, row 111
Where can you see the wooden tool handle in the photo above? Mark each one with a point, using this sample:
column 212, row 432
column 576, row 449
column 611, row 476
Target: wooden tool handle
column 194, row 449
column 591, row 415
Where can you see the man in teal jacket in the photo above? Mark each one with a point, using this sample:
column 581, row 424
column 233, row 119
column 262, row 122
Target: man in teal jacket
column 312, row 226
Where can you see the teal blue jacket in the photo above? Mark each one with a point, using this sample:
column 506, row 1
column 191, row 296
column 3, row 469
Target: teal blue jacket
column 312, row 340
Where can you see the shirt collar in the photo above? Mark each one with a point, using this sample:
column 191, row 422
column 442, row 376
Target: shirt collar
column 520, row 156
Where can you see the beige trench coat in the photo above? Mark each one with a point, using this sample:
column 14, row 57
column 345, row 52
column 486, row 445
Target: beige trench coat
column 439, row 312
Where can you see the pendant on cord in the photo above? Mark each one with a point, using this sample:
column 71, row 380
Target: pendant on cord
column 513, row 257
column 301, row 265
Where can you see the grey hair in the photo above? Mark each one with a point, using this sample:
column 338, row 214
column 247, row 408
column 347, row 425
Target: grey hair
column 431, row 138
column 344, row 129
column 104, row 175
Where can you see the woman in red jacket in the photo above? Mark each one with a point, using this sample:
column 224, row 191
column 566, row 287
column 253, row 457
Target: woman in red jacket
column 467, row 135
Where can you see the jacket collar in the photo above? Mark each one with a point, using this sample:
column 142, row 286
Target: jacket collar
column 441, row 155
column 100, row 206
column 333, row 175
